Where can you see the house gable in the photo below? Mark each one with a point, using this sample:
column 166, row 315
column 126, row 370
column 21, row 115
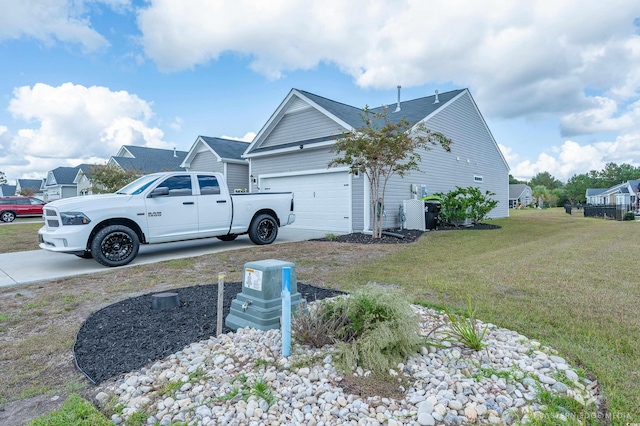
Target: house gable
column 277, row 163
column 301, row 119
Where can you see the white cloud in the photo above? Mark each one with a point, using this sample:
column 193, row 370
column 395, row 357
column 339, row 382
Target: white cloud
column 604, row 115
column 79, row 123
column 177, row 124
column 572, row 158
column 520, row 58
column 55, row 20
column 248, row 137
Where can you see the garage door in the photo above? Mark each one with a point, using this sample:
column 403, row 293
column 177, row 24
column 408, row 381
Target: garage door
column 321, row 201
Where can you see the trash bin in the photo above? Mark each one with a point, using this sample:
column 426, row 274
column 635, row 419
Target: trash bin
column 567, row 208
column 432, row 213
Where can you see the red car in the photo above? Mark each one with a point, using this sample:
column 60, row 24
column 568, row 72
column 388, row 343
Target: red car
column 11, row 207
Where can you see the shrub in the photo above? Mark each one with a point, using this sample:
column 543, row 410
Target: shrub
column 629, row 216
column 463, row 203
column 374, row 328
column 318, row 325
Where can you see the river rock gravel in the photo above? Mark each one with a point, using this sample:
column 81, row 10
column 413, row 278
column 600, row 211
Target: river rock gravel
column 242, row 378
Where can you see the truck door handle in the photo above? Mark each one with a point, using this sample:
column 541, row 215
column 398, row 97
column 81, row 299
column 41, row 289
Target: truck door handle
column 188, row 203
column 221, row 201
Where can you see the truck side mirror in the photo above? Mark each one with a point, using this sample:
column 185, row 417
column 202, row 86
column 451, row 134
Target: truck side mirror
column 159, row 192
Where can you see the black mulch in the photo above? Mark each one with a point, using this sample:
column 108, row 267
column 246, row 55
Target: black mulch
column 129, row 334
column 401, row 236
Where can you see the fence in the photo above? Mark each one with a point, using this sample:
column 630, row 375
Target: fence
column 616, row 212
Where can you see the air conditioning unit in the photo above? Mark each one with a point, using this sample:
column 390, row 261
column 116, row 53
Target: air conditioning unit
column 414, row 214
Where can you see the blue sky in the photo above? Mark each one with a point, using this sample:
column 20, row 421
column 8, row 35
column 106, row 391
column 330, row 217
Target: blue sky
column 80, row 78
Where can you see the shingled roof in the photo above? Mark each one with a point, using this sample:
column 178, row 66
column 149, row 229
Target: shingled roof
column 151, row 160
column 412, row 110
column 227, row 149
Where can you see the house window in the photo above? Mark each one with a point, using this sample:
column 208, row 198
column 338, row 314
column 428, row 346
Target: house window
column 477, row 179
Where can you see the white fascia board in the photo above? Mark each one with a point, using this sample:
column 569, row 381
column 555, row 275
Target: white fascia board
column 233, row 161
column 186, row 163
column 484, row 123
column 267, row 125
column 124, row 152
column 325, row 112
column 288, row 149
column 304, row 172
column 277, row 115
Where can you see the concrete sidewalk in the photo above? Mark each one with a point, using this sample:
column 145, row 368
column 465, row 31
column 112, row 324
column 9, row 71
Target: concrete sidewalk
column 38, row 265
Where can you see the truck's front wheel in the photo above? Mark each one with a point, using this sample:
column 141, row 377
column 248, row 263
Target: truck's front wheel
column 263, row 229
column 115, row 245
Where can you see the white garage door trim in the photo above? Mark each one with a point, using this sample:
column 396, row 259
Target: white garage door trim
column 322, row 198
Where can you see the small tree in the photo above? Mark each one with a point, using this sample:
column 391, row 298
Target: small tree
column 108, row 179
column 380, row 149
column 3, row 178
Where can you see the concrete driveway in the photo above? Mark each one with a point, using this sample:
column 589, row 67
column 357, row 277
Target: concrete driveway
column 38, row 265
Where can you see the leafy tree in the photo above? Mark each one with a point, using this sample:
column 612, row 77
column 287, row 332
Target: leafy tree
column 108, row 179
column 545, row 179
column 558, row 197
column 380, row 149
column 3, row 178
column 540, row 193
column 27, row 192
column 577, row 185
column 613, row 174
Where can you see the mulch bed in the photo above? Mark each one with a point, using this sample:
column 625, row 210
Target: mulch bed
column 130, row 334
column 404, row 236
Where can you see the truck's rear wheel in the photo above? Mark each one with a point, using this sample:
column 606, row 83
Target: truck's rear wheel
column 115, row 245
column 228, row 237
column 263, row 229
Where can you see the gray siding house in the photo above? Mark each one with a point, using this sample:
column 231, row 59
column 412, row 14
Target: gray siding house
column 34, row 186
column 6, row 189
column 292, row 150
column 59, row 183
column 520, row 194
column 210, row 154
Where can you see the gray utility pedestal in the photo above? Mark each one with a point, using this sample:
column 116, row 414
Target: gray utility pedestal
column 259, row 304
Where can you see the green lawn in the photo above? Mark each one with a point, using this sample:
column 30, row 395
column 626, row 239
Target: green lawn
column 18, row 236
column 569, row 281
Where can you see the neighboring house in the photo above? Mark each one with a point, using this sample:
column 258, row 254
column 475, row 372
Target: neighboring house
column 33, row 186
column 625, row 195
column 6, row 189
column 60, row 183
column 292, row 150
column 520, row 194
column 83, row 179
column 220, row 155
column 148, row 160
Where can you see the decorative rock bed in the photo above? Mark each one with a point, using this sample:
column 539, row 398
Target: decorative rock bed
column 501, row 384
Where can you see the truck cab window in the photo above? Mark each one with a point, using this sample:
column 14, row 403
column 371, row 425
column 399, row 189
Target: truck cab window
column 178, row 185
column 208, row 185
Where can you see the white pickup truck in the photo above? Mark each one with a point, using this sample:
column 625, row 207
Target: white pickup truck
column 158, row 208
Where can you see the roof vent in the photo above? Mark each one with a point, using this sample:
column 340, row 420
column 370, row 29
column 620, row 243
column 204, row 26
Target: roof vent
column 175, row 153
column 398, row 106
column 437, row 101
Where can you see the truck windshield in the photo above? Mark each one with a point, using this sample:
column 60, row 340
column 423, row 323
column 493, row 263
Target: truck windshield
column 138, row 185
